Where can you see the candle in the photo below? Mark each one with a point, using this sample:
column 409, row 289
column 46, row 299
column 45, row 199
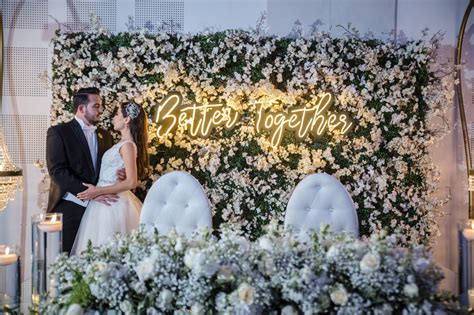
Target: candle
column 51, row 226
column 53, row 292
column 470, row 296
column 468, row 232
column 35, row 299
column 6, row 258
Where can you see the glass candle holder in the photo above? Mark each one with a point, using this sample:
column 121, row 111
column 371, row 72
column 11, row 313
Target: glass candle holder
column 9, row 279
column 46, row 238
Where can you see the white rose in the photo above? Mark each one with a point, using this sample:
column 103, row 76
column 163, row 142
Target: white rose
column 126, row 307
column 265, row 243
column 99, row 266
column 410, row 290
column 243, row 243
column 306, row 274
column 165, row 298
column 246, row 293
column 332, row 252
column 339, row 295
column 64, row 93
column 268, row 265
column 204, row 266
column 197, row 309
column 421, row 264
column 145, row 269
column 289, row 310
column 75, row 309
column 179, row 245
column 190, row 257
column 369, row 263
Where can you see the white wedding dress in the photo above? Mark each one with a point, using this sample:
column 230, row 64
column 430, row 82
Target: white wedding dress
column 100, row 221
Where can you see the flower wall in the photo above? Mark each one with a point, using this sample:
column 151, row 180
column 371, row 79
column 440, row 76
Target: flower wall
column 390, row 92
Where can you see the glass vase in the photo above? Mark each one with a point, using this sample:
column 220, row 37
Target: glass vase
column 46, row 238
column 9, row 279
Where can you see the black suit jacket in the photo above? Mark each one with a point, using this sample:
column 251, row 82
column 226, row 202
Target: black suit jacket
column 69, row 160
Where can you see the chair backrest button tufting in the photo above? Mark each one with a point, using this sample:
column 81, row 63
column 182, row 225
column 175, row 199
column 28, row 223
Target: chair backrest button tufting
column 320, row 190
column 184, row 195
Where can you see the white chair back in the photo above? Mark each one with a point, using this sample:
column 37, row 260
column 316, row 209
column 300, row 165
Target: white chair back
column 176, row 200
column 321, row 199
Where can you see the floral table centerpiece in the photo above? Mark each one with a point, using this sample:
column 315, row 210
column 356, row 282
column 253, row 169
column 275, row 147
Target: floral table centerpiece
column 146, row 273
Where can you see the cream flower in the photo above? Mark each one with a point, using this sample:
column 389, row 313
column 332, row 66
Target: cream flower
column 165, row 298
column 265, row 243
column 198, row 309
column 339, row 295
column 126, row 307
column 179, row 246
column 145, row 269
column 369, row 263
column 410, row 290
column 246, row 293
column 190, row 257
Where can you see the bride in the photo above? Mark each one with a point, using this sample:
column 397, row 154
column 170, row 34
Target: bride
column 101, row 221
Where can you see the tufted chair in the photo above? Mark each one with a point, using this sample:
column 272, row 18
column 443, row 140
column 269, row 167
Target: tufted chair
column 321, row 198
column 176, row 200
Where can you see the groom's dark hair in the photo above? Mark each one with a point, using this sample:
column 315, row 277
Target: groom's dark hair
column 82, row 96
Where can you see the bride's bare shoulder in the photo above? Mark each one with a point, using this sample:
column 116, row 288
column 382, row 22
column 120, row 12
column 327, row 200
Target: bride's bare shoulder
column 127, row 146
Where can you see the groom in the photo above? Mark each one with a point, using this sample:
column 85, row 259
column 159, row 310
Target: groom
column 73, row 154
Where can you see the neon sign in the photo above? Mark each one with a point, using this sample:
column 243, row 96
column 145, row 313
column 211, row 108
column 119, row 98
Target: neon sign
column 201, row 119
column 302, row 120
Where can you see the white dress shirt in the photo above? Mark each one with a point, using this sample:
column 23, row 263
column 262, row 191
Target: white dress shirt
column 91, row 137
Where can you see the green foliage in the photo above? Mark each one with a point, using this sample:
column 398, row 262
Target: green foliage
column 81, row 294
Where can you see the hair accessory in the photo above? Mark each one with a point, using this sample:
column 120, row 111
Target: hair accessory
column 132, row 110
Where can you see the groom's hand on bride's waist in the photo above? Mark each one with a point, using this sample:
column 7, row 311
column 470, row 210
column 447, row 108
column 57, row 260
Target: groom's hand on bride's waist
column 107, row 199
column 121, row 175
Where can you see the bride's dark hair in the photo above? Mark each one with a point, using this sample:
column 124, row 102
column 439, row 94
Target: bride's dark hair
column 139, row 130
